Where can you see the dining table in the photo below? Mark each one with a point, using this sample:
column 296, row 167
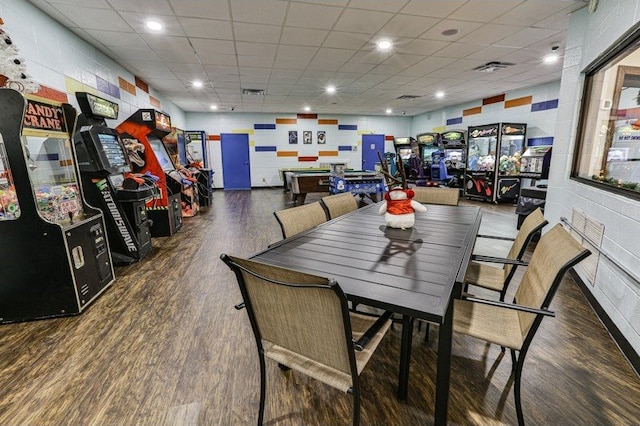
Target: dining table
column 415, row 273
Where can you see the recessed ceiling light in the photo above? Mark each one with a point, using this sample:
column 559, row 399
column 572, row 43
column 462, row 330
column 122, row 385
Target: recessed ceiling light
column 307, row 108
column 439, row 95
column 384, row 44
column 154, row 25
column 389, row 111
column 550, row 58
column 214, row 107
column 450, row 32
column 331, row 89
column 197, row 84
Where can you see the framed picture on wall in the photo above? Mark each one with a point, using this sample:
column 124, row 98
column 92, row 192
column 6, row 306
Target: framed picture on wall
column 293, row 136
column 322, row 137
column 306, row 137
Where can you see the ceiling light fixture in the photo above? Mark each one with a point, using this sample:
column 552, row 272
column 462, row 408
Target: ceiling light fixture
column 214, row 107
column 550, row 58
column 439, row 95
column 331, row 89
column 154, row 25
column 450, row 32
column 384, row 44
column 197, row 84
column 389, row 111
column 307, row 108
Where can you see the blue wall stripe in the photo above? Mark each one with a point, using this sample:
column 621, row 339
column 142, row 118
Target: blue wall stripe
column 540, row 141
column 266, row 148
column 347, row 127
column 344, row 148
column 456, row 120
column 543, row 106
column 264, row 126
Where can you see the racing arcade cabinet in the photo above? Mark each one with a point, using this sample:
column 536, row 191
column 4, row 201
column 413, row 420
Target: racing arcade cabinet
column 196, row 156
column 54, row 255
column 107, row 182
column 142, row 135
column 455, row 154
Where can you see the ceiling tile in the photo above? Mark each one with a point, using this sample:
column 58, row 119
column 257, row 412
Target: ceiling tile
column 259, row 11
column 160, row 41
column 490, row 34
column 344, row 40
column 84, row 17
column 212, row 9
column 530, row 12
column 303, row 36
column 435, row 8
column 407, row 26
column 255, row 61
column 136, row 20
column 149, row 7
column 362, row 21
column 420, row 46
column 312, row 16
column 134, row 53
column 206, row 47
column 464, row 28
column 484, row 11
column 379, row 5
column 207, row 28
column 256, row 32
column 527, row 36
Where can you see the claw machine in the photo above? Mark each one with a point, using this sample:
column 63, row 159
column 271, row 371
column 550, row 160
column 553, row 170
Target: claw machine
column 54, row 254
column 493, row 162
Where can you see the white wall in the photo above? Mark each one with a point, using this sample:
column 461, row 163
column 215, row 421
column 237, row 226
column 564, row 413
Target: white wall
column 589, row 36
column 56, row 57
column 265, row 165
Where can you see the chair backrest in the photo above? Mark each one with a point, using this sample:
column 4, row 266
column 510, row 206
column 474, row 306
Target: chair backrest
column 534, row 222
column 303, row 313
column 297, row 219
column 339, row 204
column 436, row 195
column 556, row 252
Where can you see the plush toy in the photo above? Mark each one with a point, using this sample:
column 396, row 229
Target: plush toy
column 399, row 208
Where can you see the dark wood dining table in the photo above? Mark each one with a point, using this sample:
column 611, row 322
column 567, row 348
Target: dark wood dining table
column 415, row 272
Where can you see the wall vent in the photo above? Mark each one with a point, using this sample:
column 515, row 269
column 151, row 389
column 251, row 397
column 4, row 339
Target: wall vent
column 493, row 66
column 594, row 231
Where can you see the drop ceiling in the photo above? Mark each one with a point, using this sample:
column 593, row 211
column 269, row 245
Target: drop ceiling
column 293, row 49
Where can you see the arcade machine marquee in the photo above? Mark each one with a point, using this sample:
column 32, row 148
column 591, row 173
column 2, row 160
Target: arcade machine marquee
column 108, row 182
column 54, row 254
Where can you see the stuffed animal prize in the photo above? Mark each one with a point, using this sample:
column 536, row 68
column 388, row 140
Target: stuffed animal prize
column 399, row 208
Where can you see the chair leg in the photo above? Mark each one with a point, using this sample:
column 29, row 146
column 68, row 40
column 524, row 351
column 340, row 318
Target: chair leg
column 426, row 332
column 355, row 391
column 263, row 389
column 514, row 361
column 516, row 391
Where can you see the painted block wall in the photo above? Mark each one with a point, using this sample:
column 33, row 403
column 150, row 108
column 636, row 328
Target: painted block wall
column 539, row 113
column 55, row 57
column 269, row 140
column 589, row 36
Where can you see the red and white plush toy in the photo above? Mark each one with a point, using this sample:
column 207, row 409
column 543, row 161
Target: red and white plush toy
column 399, row 208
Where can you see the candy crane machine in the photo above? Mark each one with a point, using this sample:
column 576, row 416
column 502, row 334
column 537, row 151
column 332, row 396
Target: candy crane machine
column 142, row 135
column 108, row 182
column 54, row 254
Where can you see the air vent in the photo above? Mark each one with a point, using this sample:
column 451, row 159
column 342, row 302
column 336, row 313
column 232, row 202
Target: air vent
column 493, row 66
column 408, row 97
column 254, row 92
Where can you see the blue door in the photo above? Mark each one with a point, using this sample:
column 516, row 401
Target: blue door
column 236, row 170
column 371, row 145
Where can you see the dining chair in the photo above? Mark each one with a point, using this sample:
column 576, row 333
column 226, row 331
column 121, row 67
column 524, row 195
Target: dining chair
column 339, row 204
column 297, row 219
column 498, row 278
column 302, row 322
column 436, row 195
column 513, row 325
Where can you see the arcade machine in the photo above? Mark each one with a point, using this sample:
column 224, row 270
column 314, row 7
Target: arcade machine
column 108, row 183
column 534, row 169
column 408, row 152
column 142, row 135
column 189, row 198
column 54, row 254
column 195, row 153
column 428, row 143
column 484, row 179
column 455, row 156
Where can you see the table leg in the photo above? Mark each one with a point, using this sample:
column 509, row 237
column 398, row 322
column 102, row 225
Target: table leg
column 405, row 356
column 444, row 366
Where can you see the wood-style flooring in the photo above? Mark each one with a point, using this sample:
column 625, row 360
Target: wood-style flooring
column 164, row 346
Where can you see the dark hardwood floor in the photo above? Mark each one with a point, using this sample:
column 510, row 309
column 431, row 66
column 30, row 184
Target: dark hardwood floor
column 164, row 346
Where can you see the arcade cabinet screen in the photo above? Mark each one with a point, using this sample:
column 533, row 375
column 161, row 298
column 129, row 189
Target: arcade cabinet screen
column 454, row 155
column 405, row 153
column 113, row 150
column 161, row 153
column 426, row 154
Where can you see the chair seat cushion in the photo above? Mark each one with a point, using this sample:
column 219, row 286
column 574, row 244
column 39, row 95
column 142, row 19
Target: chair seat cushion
column 483, row 275
column 493, row 324
column 330, row 376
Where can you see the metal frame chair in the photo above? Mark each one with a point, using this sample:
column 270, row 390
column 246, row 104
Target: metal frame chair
column 498, row 278
column 297, row 219
column 339, row 204
column 436, row 195
column 514, row 325
column 302, row 322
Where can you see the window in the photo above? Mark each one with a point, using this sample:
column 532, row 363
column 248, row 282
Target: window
column 609, row 151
